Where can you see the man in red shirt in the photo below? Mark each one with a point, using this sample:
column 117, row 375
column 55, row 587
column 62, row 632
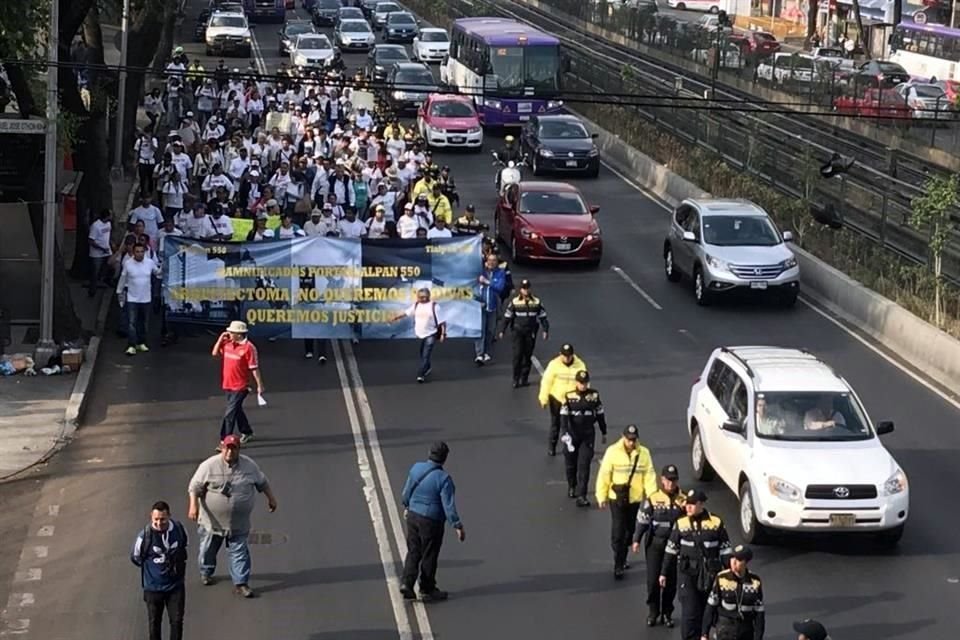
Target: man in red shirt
column 239, row 363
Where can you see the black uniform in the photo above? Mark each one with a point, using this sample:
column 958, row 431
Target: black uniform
column 735, row 607
column 580, row 411
column 655, row 520
column 524, row 316
column 694, row 549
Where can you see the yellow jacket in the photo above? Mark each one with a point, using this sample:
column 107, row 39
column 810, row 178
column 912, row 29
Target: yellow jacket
column 423, row 187
column 615, row 469
column 440, row 207
column 388, row 132
column 559, row 379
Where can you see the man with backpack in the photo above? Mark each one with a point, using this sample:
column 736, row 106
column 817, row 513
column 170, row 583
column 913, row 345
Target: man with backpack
column 161, row 553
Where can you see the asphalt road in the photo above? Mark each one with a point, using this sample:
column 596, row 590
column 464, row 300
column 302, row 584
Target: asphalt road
column 533, row 566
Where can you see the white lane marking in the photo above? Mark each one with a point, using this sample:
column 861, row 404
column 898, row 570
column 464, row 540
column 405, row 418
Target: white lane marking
column 16, row 627
column 537, row 365
column 53, row 510
column 20, row 600
column 636, row 287
column 40, row 551
column 953, row 402
column 28, row 575
column 46, row 531
column 366, row 413
column 257, row 53
column 373, row 503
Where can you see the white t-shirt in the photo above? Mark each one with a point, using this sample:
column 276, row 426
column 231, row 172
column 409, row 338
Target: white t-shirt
column 293, row 231
column 353, row 229
column 407, row 226
column 137, row 279
column 426, row 318
column 199, row 228
column 151, row 218
column 433, row 232
column 161, row 236
column 376, row 228
column 100, row 234
column 223, row 225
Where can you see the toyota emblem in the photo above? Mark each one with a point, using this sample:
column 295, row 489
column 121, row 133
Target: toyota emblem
column 841, row 492
column 570, row 154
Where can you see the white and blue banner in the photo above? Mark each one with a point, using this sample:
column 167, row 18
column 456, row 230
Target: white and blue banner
column 322, row 287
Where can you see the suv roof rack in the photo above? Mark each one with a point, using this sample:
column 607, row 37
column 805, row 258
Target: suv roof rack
column 739, row 359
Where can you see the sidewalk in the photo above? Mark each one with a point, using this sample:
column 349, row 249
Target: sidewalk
column 39, row 414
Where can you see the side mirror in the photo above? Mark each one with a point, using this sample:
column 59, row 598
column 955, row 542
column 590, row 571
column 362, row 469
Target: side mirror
column 884, row 427
column 689, row 236
column 788, row 236
column 594, row 209
column 594, row 135
column 733, row 426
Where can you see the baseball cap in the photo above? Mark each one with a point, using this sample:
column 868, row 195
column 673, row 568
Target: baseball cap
column 670, row 472
column 582, row 376
column 567, row 349
column 631, row 432
column 742, row 552
column 696, row 495
column 231, row 440
column 272, row 203
column 812, row 629
column 524, row 284
column 470, row 207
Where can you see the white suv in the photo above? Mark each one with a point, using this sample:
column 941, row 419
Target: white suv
column 791, row 438
column 228, row 34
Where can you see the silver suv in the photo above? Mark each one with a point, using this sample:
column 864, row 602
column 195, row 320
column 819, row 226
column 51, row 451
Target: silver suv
column 730, row 245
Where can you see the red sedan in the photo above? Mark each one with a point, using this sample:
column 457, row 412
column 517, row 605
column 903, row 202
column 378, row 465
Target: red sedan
column 548, row 222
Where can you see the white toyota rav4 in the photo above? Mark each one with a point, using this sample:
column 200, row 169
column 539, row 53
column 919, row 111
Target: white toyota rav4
column 792, row 440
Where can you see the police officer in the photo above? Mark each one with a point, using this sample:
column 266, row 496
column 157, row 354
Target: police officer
column 810, row 630
column 580, row 411
column 655, row 521
column 735, row 605
column 558, row 378
column 468, row 224
column 625, row 479
column 524, row 315
column 697, row 543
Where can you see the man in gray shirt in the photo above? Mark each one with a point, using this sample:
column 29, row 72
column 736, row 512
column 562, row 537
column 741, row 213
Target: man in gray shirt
column 223, row 492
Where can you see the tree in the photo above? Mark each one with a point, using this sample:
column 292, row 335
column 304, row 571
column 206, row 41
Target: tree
column 933, row 211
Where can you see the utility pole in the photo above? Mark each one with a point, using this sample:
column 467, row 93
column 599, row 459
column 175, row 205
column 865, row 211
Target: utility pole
column 45, row 346
column 122, row 98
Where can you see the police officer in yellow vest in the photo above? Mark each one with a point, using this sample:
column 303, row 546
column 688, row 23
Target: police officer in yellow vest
column 735, row 604
column 654, row 523
column 559, row 378
column 626, row 478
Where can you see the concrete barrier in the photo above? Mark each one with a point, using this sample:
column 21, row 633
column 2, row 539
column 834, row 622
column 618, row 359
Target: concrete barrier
column 920, row 344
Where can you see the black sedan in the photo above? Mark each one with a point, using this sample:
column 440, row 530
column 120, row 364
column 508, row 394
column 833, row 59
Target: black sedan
column 381, row 58
column 325, row 12
column 560, row 143
column 880, row 74
column 288, row 35
column 408, row 86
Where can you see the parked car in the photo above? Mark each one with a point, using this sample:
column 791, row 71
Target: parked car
column 311, row 50
column 560, row 143
column 925, row 101
column 400, row 26
column 431, row 45
column 290, row 32
column 450, row 120
column 381, row 58
column 875, row 103
column 725, row 246
column 791, row 439
column 760, row 44
column 879, row 73
column 548, row 222
column 353, row 35
column 408, row 86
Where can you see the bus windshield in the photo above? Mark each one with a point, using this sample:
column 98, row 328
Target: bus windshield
column 518, row 68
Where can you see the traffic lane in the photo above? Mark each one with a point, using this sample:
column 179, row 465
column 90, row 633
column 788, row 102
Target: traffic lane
column 152, row 419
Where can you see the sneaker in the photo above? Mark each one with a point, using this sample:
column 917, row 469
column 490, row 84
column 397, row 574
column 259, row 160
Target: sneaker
column 207, row 580
column 626, row 565
column 322, row 360
column 479, row 361
column 552, row 451
column 516, row 384
column 434, row 596
column 246, row 437
column 407, row 593
column 486, row 357
column 668, row 622
column 356, row 341
column 583, row 502
column 571, row 493
column 243, row 590
column 618, row 573
column 131, row 351
column 421, row 379
column 142, row 348
column 308, row 355
column 524, row 383
column 652, row 620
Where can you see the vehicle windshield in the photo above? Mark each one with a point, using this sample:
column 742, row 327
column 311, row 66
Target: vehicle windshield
column 739, row 231
column 417, row 78
column 534, row 202
column 534, row 67
column 401, row 18
column 328, row 4
column 391, row 54
column 819, row 416
column 565, row 130
column 238, row 22
column 830, row 53
column 294, row 30
column 386, row 7
column 314, row 42
column 354, row 26
column 351, row 13
column 928, row 91
column 434, row 36
column 890, row 67
column 765, row 37
column 452, row 109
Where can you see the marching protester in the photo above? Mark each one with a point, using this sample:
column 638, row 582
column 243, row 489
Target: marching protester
column 735, row 608
column 559, row 378
column 655, row 521
column 240, row 362
column 222, row 495
column 135, row 293
column 427, row 327
column 428, row 499
column 580, row 411
column 492, row 282
column 160, row 551
column 625, row 479
column 524, row 316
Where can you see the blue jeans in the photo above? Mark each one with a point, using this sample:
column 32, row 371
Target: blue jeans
column 238, row 554
column 137, row 313
column 488, row 326
column 426, row 350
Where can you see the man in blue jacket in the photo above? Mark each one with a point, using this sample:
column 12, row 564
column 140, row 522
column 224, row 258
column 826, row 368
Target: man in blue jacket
column 492, row 281
column 161, row 553
column 428, row 500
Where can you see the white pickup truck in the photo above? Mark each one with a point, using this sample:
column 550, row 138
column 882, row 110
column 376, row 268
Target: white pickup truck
column 789, row 69
column 834, row 57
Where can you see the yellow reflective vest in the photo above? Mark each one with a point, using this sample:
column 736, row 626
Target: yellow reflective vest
column 559, row 379
column 615, row 469
column 440, row 207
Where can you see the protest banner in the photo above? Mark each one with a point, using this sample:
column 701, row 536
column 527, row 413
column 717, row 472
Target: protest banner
column 322, row 287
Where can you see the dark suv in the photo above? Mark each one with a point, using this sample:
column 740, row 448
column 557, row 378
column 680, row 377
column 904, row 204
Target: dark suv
column 408, row 86
column 381, row 58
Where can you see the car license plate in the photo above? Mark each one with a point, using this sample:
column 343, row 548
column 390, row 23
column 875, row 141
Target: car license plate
column 758, row 285
column 456, row 139
column 843, row 520
column 571, row 163
column 525, row 107
column 563, row 246
column 524, row 118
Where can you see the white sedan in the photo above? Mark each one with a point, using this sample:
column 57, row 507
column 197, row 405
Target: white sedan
column 311, row 50
column 432, row 45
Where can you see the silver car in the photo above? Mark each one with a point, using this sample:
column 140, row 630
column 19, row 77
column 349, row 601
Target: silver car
column 730, row 245
column 380, row 11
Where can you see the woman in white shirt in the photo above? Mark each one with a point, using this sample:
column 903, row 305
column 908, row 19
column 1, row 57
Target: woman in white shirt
column 377, row 225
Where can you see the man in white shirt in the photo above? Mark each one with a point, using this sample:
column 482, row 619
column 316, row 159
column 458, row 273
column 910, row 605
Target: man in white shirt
column 168, row 229
column 350, row 227
column 364, row 119
column 239, row 165
column 440, row 229
column 216, row 180
column 100, row 248
column 149, row 215
column 408, row 223
column 321, row 223
column 221, row 223
column 199, row 226
column 135, row 291
column 181, row 160
column 146, row 149
column 427, row 326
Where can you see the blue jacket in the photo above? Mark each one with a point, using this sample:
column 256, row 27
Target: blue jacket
column 491, row 294
column 162, row 557
column 434, row 496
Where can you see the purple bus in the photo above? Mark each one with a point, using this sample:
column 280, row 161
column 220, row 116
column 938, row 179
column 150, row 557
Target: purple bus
column 511, row 69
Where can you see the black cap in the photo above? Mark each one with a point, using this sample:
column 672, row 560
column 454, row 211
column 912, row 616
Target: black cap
column 696, row 495
column 631, row 432
column 742, row 552
column 470, row 207
column 439, row 452
column 567, row 349
column 670, row 472
column 582, row 376
column 524, row 284
column 812, row 629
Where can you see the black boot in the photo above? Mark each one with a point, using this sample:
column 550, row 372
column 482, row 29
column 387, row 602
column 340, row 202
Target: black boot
column 571, row 492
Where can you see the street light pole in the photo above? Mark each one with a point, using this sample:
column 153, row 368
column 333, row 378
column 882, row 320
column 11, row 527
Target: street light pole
column 122, row 98
column 46, row 346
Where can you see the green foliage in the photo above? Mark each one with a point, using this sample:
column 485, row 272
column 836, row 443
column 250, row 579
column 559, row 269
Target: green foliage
column 932, row 212
column 21, row 21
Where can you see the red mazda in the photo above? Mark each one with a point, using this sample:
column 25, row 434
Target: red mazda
column 548, row 221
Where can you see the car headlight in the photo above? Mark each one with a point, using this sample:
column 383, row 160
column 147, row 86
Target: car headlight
column 492, row 104
column 379, row 68
column 529, row 235
column 718, row 264
column 437, row 129
column 209, row 42
column 473, row 130
column 784, row 490
column 897, row 483
column 247, row 39
column 594, row 153
column 789, row 263
column 593, row 235
column 554, row 104
column 546, row 153
column 399, row 95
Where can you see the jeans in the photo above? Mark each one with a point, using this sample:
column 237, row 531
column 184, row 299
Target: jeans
column 426, row 350
column 137, row 313
column 424, row 538
column 171, row 601
column 238, row 553
column 96, row 272
column 235, row 418
column 488, row 326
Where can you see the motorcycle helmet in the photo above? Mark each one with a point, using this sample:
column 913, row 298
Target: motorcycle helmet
column 508, row 139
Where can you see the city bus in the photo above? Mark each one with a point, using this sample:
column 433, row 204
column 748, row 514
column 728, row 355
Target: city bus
column 511, row 69
column 927, row 50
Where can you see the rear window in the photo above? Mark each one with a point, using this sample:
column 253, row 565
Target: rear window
column 764, row 37
column 384, row 7
column 890, row 67
column 391, row 54
column 928, row 91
